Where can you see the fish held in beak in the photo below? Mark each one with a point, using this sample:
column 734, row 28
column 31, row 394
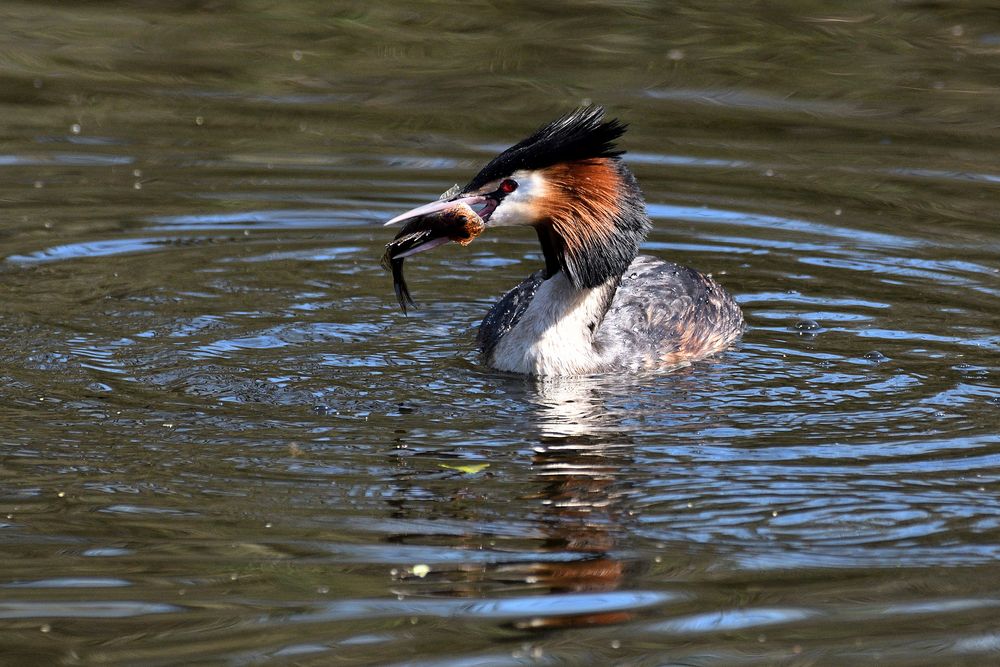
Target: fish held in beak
column 458, row 223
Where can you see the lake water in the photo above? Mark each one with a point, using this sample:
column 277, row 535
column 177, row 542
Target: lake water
column 222, row 443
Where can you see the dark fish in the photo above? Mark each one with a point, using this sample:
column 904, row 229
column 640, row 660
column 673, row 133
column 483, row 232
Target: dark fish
column 458, row 223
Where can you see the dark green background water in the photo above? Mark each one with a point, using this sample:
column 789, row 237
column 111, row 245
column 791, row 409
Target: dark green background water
column 221, row 443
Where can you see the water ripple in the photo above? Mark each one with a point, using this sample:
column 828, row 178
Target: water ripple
column 12, row 609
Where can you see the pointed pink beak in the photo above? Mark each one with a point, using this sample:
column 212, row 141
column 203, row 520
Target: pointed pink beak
column 436, row 206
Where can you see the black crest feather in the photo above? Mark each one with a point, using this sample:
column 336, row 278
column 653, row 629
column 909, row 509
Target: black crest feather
column 579, row 135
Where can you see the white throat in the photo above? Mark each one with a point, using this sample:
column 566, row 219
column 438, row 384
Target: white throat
column 555, row 335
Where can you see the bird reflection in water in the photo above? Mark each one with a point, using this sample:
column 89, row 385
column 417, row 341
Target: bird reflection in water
column 578, row 463
column 576, row 510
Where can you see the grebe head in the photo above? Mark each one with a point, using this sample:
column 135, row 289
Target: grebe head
column 568, row 182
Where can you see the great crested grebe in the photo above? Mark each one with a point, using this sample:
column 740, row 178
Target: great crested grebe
column 598, row 305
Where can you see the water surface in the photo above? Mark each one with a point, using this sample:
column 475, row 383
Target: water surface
column 224, row 444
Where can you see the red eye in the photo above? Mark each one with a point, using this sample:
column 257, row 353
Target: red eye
column 507, row 186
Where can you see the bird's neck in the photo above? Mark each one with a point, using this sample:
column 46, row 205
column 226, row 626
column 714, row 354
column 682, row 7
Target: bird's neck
column 552, row 249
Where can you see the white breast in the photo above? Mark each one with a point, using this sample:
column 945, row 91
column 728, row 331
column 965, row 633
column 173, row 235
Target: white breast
column 555, row 335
